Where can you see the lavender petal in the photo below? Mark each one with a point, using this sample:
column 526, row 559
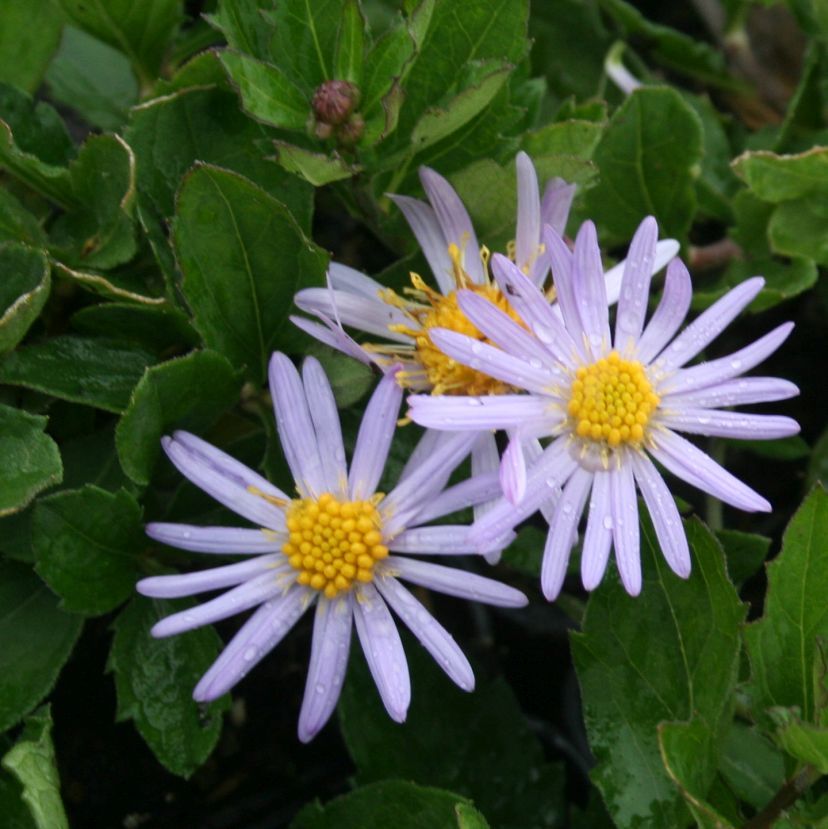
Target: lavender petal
column 216, row 540
column 493, row 411
column 739, row 392
column 528, row 231
column 334, row 336
column 513, row 469
column 714, row 423
column 598, row 536
column 590, row 289
column 635, row 287
column 555, row 205
column 440, row 540
column 670, row 313
column 625, row 532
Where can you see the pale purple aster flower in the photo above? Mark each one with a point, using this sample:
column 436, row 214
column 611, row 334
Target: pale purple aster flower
column 448, row 240
column 609, row 403
column 340, row 545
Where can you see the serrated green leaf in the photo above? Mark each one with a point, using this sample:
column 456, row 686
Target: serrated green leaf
column 243, row 256
column 573, row 137
column 23, row 291
column 189, row 392
column 266, row 92
column 30, row 459
column 93, row 79
column 17, row 224
column 141, row 29
column 32, row 761
column 797, row 228
column 35, row 146
column 438, row 122
column 113, row 285
column 95, row 372
column 154, row 679
column 646, row 160
column 316, row 168
column 454, row 741
column 778, row 178
column 244, row 26
column 86, row 543
column 100, row 232
column 396, row 803
column 781, row 645
column 29, row 36
column 37, row 639
column 670, row 654
column 350, row 44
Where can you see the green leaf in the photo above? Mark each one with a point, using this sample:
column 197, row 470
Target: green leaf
column 95, row 372
column 316, row 168
column 243, row 257
column 304, row 39
column 86, row 542
column 818, row 466
column 752, row 766
column 34, row 145
column 154, row 679
column 670, row 654
column 30, row 459
column 783, row 280
column 100, row 233
column 647, row 159
column 14, row 810
column 396, row 803
column 350, row 380
column 29, row 36
column 781, row 645
column 797, row 228
column 456, row 741
column 23, row 291
column 141, row 29
column 745, row 552
column 32, row 761
column 113, row 285
column 575, row 137
column 266, row 92
column 158, row 329
column 189, row 392
column 93, row 79
column 806, row 742
column 244, row 26
column 438, row 122
column 779, row 178
column 17, row 224
column 37, row 639
column 350, row 44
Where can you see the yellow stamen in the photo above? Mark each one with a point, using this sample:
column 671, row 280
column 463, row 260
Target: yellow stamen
column 333, row 543
column 611, row 401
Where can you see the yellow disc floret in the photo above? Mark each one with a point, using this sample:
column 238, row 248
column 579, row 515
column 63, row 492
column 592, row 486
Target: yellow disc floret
column 333, row 543
column 611, row 401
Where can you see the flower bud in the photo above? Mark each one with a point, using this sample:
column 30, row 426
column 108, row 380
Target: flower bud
column 334, row 101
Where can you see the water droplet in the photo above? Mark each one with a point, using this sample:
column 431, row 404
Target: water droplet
column 474, row 401
column 736, row 364
column 476, row 348
column 535, row 363
column 607, row 522
column 320, row 688
column 250, row 654
column 566, row 508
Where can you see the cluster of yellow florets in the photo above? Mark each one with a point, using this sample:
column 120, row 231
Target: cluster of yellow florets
column 333, row 543
column 612, row 401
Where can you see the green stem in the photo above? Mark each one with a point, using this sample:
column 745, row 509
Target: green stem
column 790, row 792
column 713, row 507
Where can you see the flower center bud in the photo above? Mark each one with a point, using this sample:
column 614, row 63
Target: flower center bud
column 334, row 101
column 333, row 543
column 612, row 401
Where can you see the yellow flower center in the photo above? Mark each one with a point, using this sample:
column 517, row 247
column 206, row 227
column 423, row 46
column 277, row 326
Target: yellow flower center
column 333, row 543
column 612, row 401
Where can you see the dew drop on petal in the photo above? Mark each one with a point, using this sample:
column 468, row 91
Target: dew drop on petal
column 608, row 524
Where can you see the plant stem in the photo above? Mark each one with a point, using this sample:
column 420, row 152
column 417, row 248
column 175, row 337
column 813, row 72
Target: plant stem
column 790, row 792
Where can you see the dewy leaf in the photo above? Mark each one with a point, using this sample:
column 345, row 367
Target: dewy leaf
column 32, row 761
column 141, row 29
column 456, row 741
column 37, row 638
column 93, row 79
column 316, row 168
column 397, row 803
column 29, row 35
column 670, row 654
column 30, row 459
column 438, row 122
column 243, row 257
column 647, row 162
column 266, row 92
column 23, row 291
column 154, row 679
column 186, row 393
column 95, row 372
column 86, row 543
column 781, row 645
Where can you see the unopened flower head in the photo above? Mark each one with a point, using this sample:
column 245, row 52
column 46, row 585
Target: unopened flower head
column 339, row 544
column 609, row 403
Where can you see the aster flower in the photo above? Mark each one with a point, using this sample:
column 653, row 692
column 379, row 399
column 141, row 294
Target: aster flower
column 609, row 403
column 340, row 545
